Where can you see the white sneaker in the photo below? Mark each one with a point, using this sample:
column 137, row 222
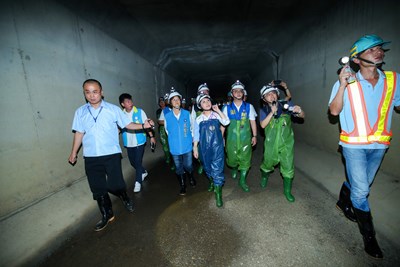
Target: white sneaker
column 144, row 175
column 137, row 188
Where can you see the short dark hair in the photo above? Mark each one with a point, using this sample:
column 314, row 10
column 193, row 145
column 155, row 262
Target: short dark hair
column 124, row 96
column 92, row 81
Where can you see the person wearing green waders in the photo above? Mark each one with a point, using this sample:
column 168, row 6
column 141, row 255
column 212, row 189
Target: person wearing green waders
column 241, row 134
column 276, row 120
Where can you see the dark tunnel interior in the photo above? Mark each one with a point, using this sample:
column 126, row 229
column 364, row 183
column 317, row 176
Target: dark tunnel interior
column 213, row 41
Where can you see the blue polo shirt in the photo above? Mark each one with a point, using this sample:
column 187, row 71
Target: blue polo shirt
column 372, row 96
column 100, row 128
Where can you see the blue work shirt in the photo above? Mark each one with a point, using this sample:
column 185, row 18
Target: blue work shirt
column 372, row 97
column 100, row 128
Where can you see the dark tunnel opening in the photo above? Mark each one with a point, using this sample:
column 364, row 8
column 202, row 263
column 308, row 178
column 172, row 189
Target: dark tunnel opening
column 217, row 42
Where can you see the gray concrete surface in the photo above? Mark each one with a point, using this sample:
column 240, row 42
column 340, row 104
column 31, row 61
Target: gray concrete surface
column 259, row 228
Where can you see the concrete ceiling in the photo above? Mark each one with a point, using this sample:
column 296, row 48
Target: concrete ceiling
column 196, row 41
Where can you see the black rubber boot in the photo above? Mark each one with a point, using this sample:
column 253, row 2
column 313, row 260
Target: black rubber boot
column 182, row 184
column 364, row 220
column 192, row 181
column 104, row 203
column 344, row 203
column 128, row 203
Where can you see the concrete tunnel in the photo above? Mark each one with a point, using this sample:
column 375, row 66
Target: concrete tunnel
column 48, row 48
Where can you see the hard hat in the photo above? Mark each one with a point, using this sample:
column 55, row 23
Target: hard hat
column 166, row 97
column 237, row 85
column 245, row 92
column 202, row 87
column 199, row 98
column 173, row 93
column 366, row 42
column 268, row 88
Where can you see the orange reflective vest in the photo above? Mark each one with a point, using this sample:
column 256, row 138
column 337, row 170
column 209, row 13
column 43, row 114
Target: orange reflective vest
column 363, row 133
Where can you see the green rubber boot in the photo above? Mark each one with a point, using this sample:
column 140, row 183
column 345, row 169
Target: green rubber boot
column 167, row 157
column 218, row 195
column 173, row 166
column 242, row 181
column 264, row 179
column 200, row 169
column 234, row 173
column 210, row 185
column 287, row 188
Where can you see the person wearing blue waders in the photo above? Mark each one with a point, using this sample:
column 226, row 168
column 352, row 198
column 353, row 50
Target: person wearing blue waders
column 208, row 137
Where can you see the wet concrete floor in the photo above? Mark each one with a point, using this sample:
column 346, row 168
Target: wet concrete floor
column 258, row 228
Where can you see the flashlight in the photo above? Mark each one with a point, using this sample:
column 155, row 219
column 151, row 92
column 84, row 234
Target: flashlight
column 289, row 108
column 345, row 62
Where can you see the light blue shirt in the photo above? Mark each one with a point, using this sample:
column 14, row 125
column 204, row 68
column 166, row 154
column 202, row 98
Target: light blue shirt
column 100, row 128
column 372, row 97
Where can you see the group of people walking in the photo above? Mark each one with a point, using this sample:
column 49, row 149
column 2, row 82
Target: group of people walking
column 210, row 134
column 364, row 104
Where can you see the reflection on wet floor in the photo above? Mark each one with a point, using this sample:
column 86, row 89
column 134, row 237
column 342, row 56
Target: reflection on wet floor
column 258, row 228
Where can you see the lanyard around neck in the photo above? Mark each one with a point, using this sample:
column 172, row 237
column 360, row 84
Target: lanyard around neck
column 95, row 118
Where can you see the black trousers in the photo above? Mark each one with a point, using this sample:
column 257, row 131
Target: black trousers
column 104, row 174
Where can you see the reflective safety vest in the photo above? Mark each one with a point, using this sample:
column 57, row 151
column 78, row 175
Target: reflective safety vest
column 363, row 133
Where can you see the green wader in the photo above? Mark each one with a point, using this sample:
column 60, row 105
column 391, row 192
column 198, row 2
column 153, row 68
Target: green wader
column 238, row 144
column 239, row 149
column 279, row 148
column 164, row 143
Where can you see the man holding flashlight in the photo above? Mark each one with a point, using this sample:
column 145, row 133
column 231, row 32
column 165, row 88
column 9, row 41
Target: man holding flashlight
column 365, row 109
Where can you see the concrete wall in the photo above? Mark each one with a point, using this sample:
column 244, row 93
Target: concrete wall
column 46, row 54
column 309, row 66
column 318, row 52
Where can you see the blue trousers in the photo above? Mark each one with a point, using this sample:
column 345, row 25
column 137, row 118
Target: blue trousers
column 361, row 168
column 183, row 163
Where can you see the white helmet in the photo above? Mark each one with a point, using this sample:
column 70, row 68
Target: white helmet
column 268, row 88
column 173, row 93
column 199, row 98
column 237, row 85
column 202, row 87
column 166, row 97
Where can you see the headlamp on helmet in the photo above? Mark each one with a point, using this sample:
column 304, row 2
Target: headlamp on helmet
column 166, row 97
column 237, row 85
column 173, row 93
column 199, row 98
column 202, row 87
column 268, row 88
